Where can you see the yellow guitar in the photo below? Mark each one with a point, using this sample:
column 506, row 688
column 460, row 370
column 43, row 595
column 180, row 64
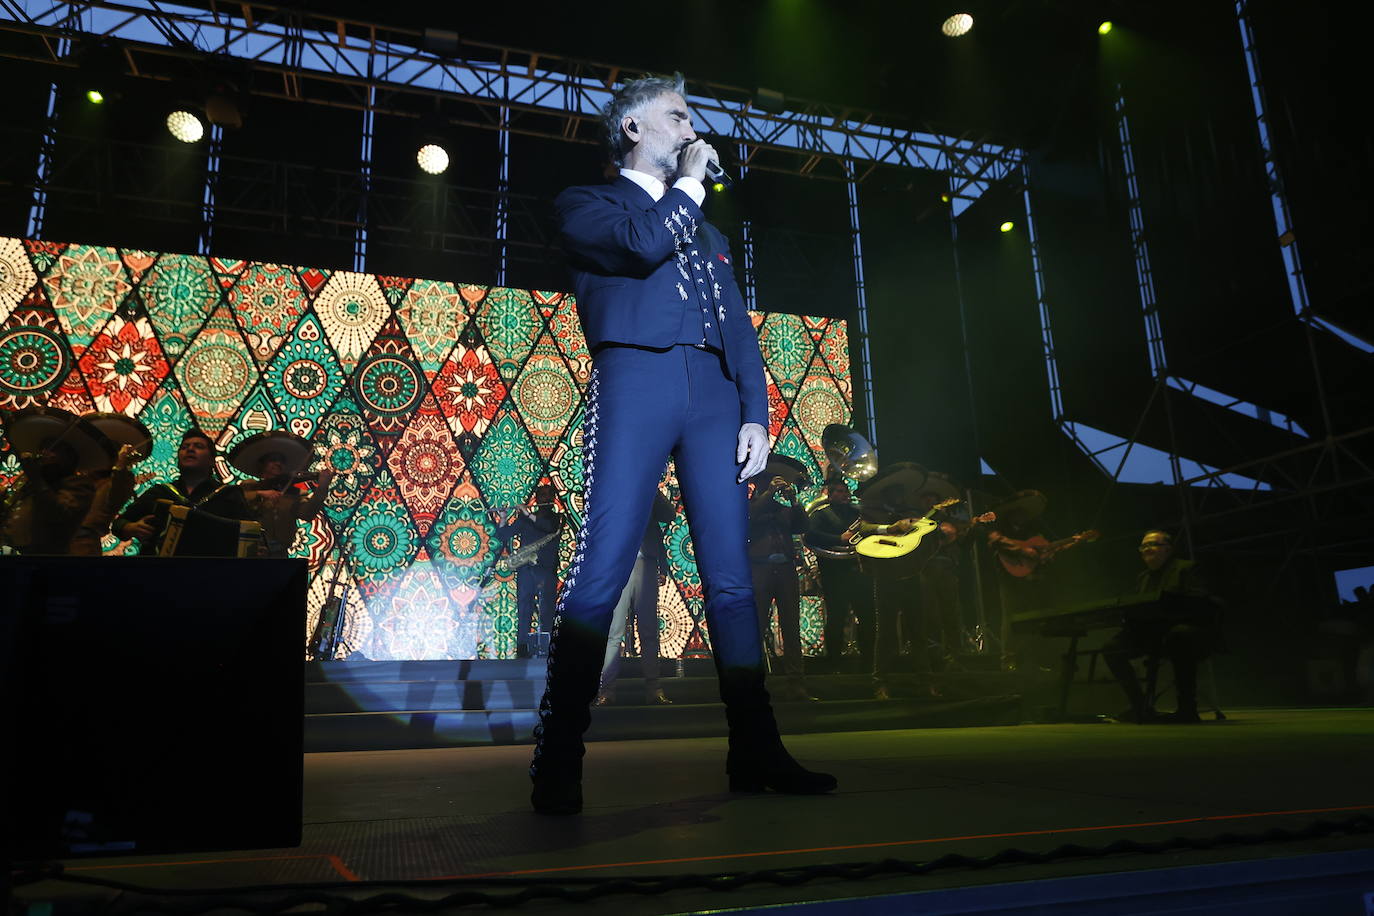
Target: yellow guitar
column 893, row 544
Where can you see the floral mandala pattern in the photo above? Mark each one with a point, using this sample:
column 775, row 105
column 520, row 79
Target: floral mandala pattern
column 166, row 418
column 469, row 390
column 505, row 465
column 345, row 446
column 304, row 378
column 388, row 385
column 382, row 539
column 85, row 287
column 16, row 276
column 511, row 324
column 413, row 613
column 179, row 292
column 352, row 309
column 818, row 404
column 33, row 361
column 546, row 396
column 682, row 557
column 426, row 466
column 267, row 301
column 44, row 254
column 786, row 346
column 432, row 315
column 314, row 541
column 123, row 366
column 216, row 372
column 674, row 621
column 463, row 540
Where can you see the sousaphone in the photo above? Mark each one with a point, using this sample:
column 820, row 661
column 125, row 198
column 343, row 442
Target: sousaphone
column 851, row 456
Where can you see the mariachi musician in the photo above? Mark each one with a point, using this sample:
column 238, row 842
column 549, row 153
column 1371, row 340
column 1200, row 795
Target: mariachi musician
column 1022, row 552
column 847, row 590
column 891, row 502
column 775, row 517
column 833, row 520
column 46, row 505
column 114, row 485
column 535, row 562
column 196, row 488
column 1184, row 641
column 277, row 459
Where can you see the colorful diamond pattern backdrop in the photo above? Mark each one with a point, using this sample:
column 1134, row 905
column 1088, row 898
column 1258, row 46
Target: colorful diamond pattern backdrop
column 433, row 402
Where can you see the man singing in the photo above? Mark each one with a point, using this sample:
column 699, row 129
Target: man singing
column 676, row 371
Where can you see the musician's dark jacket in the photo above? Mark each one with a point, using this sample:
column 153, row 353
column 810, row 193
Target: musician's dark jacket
column 828, row 524
column 622, row 247
column 1181, row 582
column 771, row 526
column 545, row 522
column 1180, row 577
column 652, row 544
column 211, row 495
column 48, row 512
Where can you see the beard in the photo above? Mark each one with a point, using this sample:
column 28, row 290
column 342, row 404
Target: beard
column 669, row 161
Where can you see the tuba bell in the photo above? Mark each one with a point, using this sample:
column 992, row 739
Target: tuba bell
column 849, row 453
column 852, row 456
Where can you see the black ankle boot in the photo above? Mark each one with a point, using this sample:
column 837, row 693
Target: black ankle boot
column 758, row 770
column 564, row 714
column 757, row 759
column 557, row 790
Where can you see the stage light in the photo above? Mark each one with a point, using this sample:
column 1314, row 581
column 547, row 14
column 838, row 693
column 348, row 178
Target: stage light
column 718, row 187
column 1105, row 27
column 958, row 24
column 95, row 96
column 1007, row 226
column 185, row 126
column 433, row 158
column 944, row 198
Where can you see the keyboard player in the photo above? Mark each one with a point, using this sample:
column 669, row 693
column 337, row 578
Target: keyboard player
column 1184, row 644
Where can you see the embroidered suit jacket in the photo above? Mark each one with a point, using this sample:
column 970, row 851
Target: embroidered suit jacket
column 623, row 249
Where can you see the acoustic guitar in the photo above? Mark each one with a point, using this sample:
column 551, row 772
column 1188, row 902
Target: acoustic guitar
column 892, row 546
column 1019, row 563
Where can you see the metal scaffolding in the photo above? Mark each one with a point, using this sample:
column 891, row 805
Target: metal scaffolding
column 335, row 61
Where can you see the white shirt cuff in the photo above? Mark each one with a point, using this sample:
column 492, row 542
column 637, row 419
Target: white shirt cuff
column 693, row 188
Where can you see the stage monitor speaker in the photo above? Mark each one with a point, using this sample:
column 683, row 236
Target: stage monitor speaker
column 156, row 704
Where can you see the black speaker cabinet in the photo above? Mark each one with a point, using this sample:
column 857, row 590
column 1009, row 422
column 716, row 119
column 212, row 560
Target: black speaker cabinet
column 155, row 705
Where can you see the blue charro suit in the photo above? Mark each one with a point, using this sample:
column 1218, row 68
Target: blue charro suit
column 676, row 371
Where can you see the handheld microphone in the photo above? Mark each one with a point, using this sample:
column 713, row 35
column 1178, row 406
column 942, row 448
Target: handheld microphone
column 716, row 173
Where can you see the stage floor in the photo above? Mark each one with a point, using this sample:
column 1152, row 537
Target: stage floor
column 656, row 807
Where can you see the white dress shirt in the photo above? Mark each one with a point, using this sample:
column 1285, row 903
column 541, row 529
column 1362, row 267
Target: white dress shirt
column 693, row 188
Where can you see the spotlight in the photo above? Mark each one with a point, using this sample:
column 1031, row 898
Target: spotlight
column 1105, row 27
column 718, row 187
column 958, row 24
column 95, row 96
column 433, row 158
column 185, row 126
column 944, row 198
column 1007, row 226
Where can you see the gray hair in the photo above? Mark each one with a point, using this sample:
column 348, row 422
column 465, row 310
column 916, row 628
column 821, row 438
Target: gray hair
column 630, row 101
